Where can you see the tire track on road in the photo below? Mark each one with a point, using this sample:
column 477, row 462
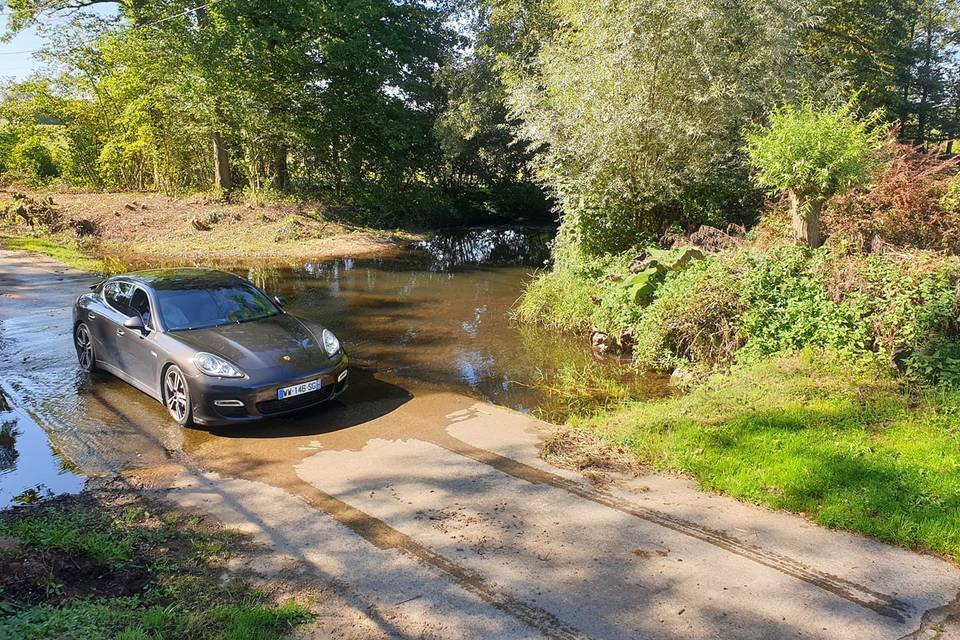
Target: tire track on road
column 880, row 603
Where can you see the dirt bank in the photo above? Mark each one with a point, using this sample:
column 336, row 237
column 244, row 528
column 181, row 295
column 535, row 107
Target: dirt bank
column 159, row 227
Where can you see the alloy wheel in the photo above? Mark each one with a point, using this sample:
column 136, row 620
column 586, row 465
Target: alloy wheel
column 84, row 347
column 175, row 394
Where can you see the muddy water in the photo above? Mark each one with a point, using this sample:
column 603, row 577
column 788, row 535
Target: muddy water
column 441, row 315
column 432, row 321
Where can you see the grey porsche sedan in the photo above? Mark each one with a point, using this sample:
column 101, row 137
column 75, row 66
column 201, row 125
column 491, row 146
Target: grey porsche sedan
column 209, row 345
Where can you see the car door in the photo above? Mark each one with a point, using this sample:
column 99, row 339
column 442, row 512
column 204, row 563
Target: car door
column 136, row 349
column 109, row 320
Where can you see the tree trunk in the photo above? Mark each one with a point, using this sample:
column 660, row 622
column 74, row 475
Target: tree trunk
column 805, row 212
column 222, row 177
column 281, row 175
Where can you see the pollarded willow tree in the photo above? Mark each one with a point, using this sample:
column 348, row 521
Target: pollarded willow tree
column 630, row 105
column 811, row 152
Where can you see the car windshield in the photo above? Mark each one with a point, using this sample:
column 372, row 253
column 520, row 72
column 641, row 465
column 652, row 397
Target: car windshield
column 182, row 309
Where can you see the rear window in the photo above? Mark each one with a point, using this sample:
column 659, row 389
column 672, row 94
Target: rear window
column 183, row 309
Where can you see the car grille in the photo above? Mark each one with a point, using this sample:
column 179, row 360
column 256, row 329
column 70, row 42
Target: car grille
column 296, row 402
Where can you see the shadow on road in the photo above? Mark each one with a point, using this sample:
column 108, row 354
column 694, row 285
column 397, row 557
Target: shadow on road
column 366, row 400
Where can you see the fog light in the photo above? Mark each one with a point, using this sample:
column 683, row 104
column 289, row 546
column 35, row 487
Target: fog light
column 228, row 403
column 343, row 374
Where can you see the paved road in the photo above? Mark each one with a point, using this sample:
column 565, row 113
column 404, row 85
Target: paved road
column 416, row 512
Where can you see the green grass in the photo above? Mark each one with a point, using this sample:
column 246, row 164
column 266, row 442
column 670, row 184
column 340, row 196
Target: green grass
column 74, row 531
column 185, row 596
column 558, row 298
column 148, row 617
column 65, row 250
column 841, row 443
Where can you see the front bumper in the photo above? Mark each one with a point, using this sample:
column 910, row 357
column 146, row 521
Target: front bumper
column 256, row 401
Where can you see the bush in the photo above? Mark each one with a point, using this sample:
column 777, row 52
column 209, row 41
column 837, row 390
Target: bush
column 811, row 153
column 788, row 306
column 31, row 160
column 814, row 149
column 566, row 296
column 900, row 310
column 914, row 202
column 695, row 318
column 292, row 228
column 758, row 301
column 910, row 304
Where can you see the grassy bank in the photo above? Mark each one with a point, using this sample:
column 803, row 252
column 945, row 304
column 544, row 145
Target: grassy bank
column 107, row 565
column 63, row 249
column 848, row 446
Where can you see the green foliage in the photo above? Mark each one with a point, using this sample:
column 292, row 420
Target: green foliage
column 136, row 618
column 895, row 55
column 680, row 310
column 32, row 161
column 558, row 298
column 843, row 444
column 621, row 138
column 695, row 318
column 910, row 304
column 641, row 285
column 950, row 200
column 418, row 137
column 788, row 307
column 796, row 298
column 815, row 150
column 939, row 363
column 74, row 531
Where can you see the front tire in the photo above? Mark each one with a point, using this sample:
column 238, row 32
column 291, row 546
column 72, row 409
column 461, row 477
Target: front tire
column 83, row 341
column 176, row 396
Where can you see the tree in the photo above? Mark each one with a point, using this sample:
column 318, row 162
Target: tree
column 811, row 153
column 341, row 96
column 896, row 55
column 629, row 105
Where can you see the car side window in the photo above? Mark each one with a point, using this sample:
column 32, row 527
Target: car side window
column 140, row 306
column 117, row 295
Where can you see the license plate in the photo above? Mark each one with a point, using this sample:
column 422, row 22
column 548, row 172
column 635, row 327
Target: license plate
column 298, row 389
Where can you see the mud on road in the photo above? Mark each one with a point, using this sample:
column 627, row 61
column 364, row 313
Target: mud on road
column 414, row 511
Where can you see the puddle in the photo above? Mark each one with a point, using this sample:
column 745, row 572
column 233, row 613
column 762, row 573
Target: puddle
column 30, row 468
column 441, row 315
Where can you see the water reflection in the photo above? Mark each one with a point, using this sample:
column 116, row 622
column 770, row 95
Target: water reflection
column 488, row 247
column 30, row 469
column 8, row 445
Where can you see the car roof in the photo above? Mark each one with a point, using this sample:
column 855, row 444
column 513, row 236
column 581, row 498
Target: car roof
column 183, row 278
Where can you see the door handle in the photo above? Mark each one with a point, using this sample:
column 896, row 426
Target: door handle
column 120, row 332
column 90, row 316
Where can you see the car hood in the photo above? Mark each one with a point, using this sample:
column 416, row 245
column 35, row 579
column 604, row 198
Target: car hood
column 280, row 342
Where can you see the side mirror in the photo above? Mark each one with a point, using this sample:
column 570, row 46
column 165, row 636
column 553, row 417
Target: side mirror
column 280, row 301
column 134, row 324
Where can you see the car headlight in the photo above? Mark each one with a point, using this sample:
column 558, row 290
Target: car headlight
column 216, row 366
column 330, row 343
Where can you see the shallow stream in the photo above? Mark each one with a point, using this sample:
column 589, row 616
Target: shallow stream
column 437, row 316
